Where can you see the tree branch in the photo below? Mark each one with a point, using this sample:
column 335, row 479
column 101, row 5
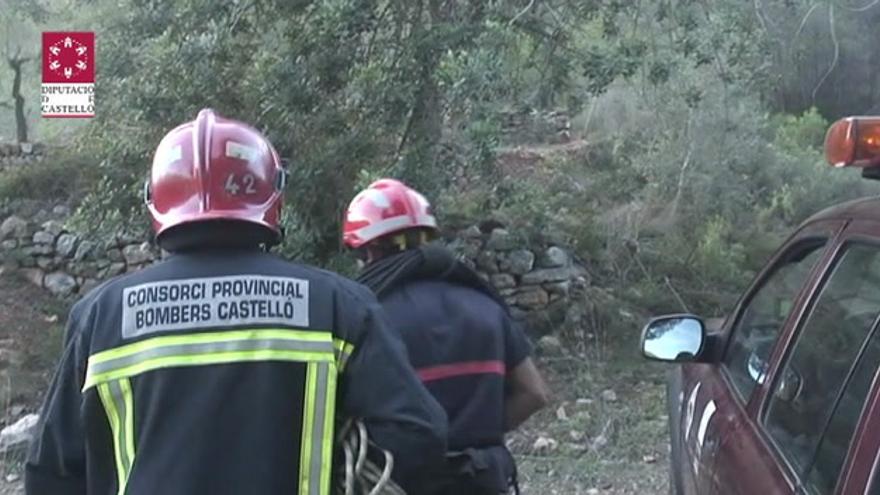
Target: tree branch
column 836, row 51
column 376, row 28
column 238, row 15
column 556, row 16
column 760, row 15
column 681, row 175
column 676, row 294
column 860, row 9
column 406, row 131
column 522, row 13
column 17, row 61
column 804, row 20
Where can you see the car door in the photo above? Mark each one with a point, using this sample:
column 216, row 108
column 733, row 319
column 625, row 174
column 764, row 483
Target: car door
column 812, row 411
column 862, row 475
column 714, row 398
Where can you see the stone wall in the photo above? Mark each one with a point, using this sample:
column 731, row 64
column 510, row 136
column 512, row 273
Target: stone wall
column 14, row 154
column 536, row 127
column 63, row 262
column 538, row 279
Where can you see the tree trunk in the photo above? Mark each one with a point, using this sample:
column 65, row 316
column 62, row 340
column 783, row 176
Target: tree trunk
column 424, row 127
column 18, row 100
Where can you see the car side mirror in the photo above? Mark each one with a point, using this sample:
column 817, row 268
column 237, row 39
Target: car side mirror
column 674, row 338
column 757, row 367
column 790, row 385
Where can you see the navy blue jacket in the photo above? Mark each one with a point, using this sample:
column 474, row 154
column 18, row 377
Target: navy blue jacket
column 462, row 344
column 219, row 373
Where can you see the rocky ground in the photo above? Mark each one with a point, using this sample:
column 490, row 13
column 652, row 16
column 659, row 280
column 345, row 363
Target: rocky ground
column 605, row 432
column 30, row 341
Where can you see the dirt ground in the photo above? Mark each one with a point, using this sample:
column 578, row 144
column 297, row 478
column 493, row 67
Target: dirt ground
column 30, row 341
column 605, row 432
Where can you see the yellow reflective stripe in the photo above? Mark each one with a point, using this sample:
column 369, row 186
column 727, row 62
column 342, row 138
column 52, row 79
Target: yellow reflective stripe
column 205, row 359
column 113, row 419
column 128, row 400
column 118, row 402
column 324, row 356
column 316, row 455
column 207, row 338
column 343, row 351
column 327, row 440
column 305, row 458
column 211, row 348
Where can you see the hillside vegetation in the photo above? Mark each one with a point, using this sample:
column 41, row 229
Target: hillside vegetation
column 672, row 144
column 697, row 125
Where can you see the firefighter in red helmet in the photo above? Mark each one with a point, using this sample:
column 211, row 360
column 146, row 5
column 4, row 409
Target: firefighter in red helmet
column 222, row 369
column 458, row 332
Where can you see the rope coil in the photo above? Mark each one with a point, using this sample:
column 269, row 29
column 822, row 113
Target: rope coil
column 362, row 476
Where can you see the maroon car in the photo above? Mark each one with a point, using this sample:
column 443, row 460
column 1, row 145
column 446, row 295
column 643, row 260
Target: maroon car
column 784, row 397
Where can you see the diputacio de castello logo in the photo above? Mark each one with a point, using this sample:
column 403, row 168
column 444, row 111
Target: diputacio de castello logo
column 68, row 88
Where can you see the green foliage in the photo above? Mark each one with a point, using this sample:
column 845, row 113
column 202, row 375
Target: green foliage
column 341, row 88
column 548, row 205
column 718, row 257
column 703, row 121
column 58, row 177
column 698, row 184
column 797, row 133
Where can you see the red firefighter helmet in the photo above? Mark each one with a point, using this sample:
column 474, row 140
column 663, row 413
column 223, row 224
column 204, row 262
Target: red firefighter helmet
column 215, row 169
column 385, row 207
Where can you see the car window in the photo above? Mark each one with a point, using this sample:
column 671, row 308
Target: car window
column 831, row 454
column 759, row 322
column 875, row 481
column 820, row 391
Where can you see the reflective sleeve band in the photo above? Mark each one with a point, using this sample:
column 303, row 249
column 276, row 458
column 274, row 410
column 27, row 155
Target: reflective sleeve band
column 317, row 432
column 343, row 352
column 328, row 433
column 209, row 348
column 110, row 371
column 116, row 396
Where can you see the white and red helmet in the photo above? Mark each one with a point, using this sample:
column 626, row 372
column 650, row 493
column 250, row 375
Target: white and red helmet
column 386, row 206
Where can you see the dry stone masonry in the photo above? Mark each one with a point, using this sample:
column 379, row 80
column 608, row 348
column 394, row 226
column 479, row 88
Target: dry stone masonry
column 16, row 154
column 540, row 282
column 63, row 262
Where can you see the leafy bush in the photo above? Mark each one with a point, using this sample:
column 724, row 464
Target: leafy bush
column 796, row 133
column 692, row 170
column 717, row 256
column 696, row 194
column 56, row 177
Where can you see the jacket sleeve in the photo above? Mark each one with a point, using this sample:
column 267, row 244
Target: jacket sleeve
column 516, row 344
column 380, row 386
column 56, row 463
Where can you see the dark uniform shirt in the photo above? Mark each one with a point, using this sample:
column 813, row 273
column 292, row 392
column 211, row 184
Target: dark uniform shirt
column 462, row 343
column 218, row 373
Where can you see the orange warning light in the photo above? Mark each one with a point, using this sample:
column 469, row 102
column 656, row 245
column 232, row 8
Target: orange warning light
column 854, row 142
